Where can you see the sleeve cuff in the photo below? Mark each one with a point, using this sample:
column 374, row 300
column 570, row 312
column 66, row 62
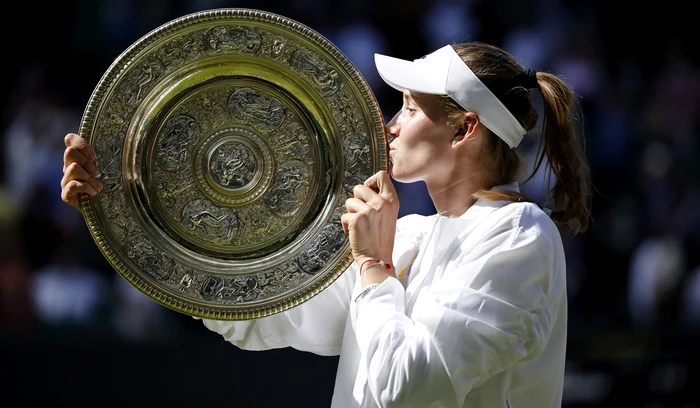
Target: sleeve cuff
column 377, row 307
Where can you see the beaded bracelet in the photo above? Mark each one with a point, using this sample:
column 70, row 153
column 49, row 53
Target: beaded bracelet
column 376, row 262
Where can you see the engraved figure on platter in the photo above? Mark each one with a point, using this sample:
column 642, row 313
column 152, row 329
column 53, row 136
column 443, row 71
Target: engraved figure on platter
column 291, row 185
column 212, row 113
column 192, row 46
column 357, row 156
column 322, row 249
column 325, row 78
column 237, row 39
column 142, row 80
column 278, row 46
column 109, row 150
column 173, row 152
column 185, row 282
column 243, row 289
column 292, row 142
column 261, row 227
column 210, row 223
column 115, row 120
column 262, row 111
column 142, row 251
column 233, row 165
column 169, row 188
column 171, row 53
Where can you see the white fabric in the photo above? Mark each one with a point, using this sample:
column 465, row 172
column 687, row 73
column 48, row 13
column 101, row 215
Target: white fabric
column 482, row 322
column 443, row 72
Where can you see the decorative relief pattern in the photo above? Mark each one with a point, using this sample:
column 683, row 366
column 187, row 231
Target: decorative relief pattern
column 292, row 143
column 174, row 149
column 108, row 150
column 230, row 290
column 211, row 112
column 142, row 80
column 262, row 111
column 357, row 156
column 224, row 38
column 235, row 164
column 212, row 224
column 148, row 257
column 324, row 77
column 232, row 165
column 322, row 249
column 290, row 189
column 260, row 225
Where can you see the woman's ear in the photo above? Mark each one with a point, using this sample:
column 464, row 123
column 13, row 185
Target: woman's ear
column 467, row 129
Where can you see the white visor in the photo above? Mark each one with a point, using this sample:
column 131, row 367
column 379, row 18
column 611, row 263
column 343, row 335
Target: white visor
column 444, row 73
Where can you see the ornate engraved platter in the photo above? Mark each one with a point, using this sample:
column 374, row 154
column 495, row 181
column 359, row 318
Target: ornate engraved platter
column 228, row 141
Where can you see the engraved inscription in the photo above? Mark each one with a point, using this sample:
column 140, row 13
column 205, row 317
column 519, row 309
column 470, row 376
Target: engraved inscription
column 233, row 39
column 210, row 223
column 233, row 290
column 148, row 258
column 324, row 77
column 262, row 111
column 326, row 246
column 174, row 148
column 232, row 165
column 290, row 188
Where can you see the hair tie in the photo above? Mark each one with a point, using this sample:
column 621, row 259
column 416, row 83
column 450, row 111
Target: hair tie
column 532, row 82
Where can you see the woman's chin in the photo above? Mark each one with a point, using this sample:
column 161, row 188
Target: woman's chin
column 401, row 177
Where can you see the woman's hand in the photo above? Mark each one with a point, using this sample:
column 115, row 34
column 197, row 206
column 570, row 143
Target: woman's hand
column 79, row 171
column 371, row 223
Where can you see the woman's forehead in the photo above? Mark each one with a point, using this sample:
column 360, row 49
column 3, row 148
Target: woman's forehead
column 420, row 98
column 427, row 102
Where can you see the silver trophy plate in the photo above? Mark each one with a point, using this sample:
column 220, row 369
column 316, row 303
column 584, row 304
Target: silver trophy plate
column 228, row 141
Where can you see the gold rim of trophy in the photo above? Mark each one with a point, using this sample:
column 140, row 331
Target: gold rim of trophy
column 228, row 141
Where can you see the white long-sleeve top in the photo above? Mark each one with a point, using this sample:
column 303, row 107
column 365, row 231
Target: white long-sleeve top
column 481, row 322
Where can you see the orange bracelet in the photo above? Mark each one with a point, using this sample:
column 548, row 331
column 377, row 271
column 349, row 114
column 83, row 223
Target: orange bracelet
column 379, row 262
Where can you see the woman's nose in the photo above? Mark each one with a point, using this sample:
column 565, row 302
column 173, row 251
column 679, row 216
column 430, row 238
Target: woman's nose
column 390, row 133
column 392, row 128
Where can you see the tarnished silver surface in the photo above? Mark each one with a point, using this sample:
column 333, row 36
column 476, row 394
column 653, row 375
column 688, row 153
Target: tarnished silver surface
column 228, row 141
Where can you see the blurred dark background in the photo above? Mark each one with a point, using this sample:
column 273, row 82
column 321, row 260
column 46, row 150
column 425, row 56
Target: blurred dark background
column 74, row 333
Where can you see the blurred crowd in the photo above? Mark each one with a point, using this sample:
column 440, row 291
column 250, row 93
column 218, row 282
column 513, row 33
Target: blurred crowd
column 637, row 269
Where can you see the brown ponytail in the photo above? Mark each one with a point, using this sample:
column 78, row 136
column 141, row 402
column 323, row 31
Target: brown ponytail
column 559, row 141
column 563, row 148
